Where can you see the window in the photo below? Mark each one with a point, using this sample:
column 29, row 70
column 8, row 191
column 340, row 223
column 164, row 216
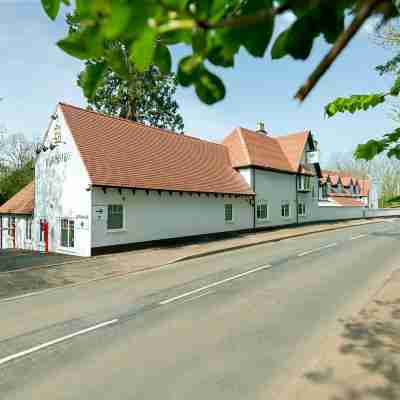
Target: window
column 28, row 229
column 285, row 210
column 301, row 209
column 67, row 233
column 115, row 217
column 11, row 225
column 228, row 213
column 304, row 183
column 262, row 211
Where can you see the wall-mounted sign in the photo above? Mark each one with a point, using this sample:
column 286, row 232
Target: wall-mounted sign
column 99, row 213
column 82, row 222
column 57, row 158
column 312, row 157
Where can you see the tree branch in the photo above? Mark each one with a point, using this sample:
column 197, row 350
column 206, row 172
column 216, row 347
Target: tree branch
column 342, row 41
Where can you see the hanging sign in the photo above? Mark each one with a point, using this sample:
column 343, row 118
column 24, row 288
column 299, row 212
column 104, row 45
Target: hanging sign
column 99, row 213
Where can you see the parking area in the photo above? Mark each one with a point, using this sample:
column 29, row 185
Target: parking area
column 11, row 260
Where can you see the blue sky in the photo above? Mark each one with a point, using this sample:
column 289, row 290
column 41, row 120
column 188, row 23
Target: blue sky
column 35, row 75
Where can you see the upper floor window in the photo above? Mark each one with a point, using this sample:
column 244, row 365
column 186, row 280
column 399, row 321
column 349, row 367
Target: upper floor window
column 304, row 183
column 262, row 211
column 115, row 216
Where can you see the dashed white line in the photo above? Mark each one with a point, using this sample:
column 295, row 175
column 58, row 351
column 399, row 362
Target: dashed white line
column 317, row 249
column 358, row 237
column 197, row 297
column 211, row 285
column 56, row 341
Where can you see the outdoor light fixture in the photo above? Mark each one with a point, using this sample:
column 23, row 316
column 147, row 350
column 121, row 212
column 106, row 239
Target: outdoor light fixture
column 44, row 148
column 52, row 146
column 38, row 150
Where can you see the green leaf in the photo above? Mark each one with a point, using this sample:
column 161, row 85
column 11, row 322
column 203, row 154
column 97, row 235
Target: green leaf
column 395, row 90
column 279, row 47
column 92, row 77
column 82, row 44
column 118, row 20
column 199, row 40
column 117, row 61
column 52, row 7
column 143, row 49
column 353, row 103
column 188, row 70
column 369, row 150
column 178, row 5
column 209, row 87
column 162, row 58
column 300, row 38
column 256, row 38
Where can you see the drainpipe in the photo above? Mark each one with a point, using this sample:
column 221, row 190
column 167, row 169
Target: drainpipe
column 297, row 202
column 1, row 231
column 254, row 205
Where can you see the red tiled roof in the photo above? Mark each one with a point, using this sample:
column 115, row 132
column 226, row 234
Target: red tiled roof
column 122, row 153
column 21, row 203
column 249, row 148
column 347, row 201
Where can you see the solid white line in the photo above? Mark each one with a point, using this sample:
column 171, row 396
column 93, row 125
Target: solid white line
column 357, row 237
column 317, row 249
column 56, row 341
column 170, row 300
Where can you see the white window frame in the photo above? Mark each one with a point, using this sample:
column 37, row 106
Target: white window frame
column 69, row 220
column 303, row 209
column 260, row 204
column 301, row 183
column 28, row 223
column 286, row 203
column 229, row 221
column 123, row 228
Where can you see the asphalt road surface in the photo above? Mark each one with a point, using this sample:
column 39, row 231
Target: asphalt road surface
column 236, row 325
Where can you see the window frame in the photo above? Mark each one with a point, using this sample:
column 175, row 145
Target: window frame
column 28, row 232
column 228, row 221
column 70, row 222
column 303, row 209
column 260, row 204
column 122, row 228
column 286, row 203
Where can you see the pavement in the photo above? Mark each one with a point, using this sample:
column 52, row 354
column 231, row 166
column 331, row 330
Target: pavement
column 241, row 324
column 30, row 272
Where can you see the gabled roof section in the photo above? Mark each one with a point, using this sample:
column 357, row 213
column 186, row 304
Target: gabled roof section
column 21, row 203
column 347, row 201
column 283, row 153
column 121, row 153
column 365, row 186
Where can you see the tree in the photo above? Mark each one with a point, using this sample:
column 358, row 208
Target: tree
column 17, row 155
column 215, row 30
column 146, row 97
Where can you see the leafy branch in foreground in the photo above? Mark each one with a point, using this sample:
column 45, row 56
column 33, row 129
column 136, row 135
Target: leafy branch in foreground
column 216, row 30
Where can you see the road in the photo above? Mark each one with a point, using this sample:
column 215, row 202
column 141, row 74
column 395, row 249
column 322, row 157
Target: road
column 236, row 325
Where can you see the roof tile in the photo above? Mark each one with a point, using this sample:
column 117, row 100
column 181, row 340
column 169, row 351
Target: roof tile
column 21, row 203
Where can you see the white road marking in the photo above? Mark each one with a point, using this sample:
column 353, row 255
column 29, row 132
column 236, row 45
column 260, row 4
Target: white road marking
column 317, row 249
column 198, row 296
column 56, row 341
column 357, row 237
column 211, row 285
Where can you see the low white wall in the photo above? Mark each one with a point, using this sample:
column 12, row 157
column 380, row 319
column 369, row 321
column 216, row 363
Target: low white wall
column 153, row 216
column 328, row 213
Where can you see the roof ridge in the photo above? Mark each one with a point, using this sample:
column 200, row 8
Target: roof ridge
column 246, row 150
column 128, row 121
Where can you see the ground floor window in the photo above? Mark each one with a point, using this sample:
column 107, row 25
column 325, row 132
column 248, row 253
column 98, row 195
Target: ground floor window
column 285, row 210
column 301, row 209
column 115, row 216
column 11, row 225
column 67, row 233
column 262, row 211
column 28, row 229
column 228, row 212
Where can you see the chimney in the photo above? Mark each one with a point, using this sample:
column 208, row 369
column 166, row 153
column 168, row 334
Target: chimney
column 260, row 127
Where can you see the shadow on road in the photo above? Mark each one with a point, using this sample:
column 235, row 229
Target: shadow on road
column 367, row 362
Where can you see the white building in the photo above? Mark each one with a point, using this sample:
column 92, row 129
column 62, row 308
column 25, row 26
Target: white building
column 105, row 184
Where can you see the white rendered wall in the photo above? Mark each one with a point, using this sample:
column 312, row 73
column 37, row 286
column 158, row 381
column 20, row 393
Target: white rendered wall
column 61, row 181
column 153, row 217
